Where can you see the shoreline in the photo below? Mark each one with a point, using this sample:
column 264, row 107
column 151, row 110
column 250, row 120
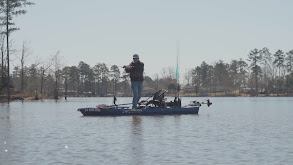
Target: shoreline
column 17, row 98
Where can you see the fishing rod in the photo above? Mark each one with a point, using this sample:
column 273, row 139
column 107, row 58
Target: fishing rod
column 119, row 66
column 123, row 104
column 177, row 95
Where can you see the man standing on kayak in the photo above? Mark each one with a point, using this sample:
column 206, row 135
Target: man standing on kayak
column 135, row 68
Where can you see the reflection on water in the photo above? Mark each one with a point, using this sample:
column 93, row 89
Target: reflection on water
column 136, row 143
column 232, row 130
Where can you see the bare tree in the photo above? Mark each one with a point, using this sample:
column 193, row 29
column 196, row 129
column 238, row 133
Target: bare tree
column 289, row 61
column 44, row 69
column 115, row 77
column 26, row 51
column 2, row 61
column 188, row 75
column 156, row 78
column 57, row 72
column 266, row 61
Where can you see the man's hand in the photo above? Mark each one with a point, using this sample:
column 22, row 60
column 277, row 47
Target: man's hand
column 128, row 67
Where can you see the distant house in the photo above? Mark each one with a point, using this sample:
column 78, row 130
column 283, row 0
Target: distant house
column 70, row 93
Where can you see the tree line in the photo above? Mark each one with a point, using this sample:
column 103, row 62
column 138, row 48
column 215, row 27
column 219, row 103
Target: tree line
column 263, row 73
column 52, row 80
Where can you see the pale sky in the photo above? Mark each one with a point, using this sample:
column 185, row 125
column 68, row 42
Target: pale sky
column 112, row 31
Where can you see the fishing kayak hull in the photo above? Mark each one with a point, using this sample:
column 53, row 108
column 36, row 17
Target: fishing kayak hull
column 125, row 111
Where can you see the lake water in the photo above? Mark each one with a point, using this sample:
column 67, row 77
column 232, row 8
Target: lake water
column 231, row 131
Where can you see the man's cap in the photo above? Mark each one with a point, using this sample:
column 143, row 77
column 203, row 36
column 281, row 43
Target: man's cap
column 135, row 56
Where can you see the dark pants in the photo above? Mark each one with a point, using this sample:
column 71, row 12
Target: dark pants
column 136, row 87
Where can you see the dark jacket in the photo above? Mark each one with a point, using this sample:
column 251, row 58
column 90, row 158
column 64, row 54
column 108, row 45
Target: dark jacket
column 135, row 70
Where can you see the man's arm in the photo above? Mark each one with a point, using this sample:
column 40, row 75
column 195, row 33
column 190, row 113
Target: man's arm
column 141, row 68
column 127, row 68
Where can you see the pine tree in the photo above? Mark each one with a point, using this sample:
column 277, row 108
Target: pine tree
column 9, row 9
column 279, row 62
column 255, row 58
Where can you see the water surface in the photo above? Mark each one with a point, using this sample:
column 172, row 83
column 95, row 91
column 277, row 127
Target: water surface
column 231, row 131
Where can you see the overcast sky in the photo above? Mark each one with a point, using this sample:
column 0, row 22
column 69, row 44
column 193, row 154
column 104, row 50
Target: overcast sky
column 112, row 31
